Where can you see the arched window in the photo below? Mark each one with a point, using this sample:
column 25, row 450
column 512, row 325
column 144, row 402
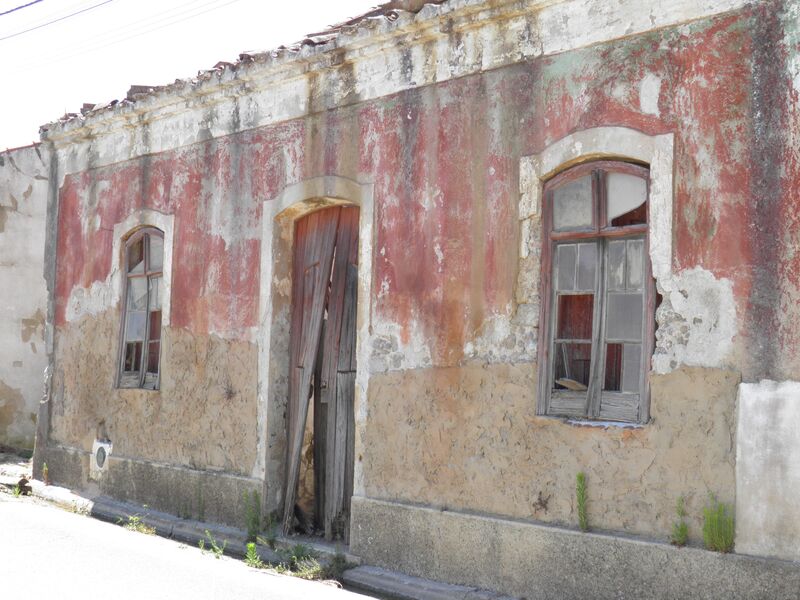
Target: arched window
column 598, row 294
column 141, row 320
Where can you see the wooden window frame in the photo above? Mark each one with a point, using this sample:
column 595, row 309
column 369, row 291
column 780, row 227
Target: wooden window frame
column 125, row 379
column 599, row 232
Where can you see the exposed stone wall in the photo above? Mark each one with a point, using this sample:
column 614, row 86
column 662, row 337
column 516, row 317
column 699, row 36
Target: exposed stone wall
column 24, row 178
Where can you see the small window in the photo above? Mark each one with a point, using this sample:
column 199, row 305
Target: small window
column 141, row 315
column 598, row 290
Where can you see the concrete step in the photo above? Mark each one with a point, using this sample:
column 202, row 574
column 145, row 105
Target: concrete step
column 391, row 584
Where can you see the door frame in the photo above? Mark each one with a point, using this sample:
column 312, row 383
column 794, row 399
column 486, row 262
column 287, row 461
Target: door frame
column 277, row 246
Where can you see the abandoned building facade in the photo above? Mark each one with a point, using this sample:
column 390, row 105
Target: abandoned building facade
column 415, row 274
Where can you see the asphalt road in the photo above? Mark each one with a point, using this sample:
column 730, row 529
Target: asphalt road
column 49, row 553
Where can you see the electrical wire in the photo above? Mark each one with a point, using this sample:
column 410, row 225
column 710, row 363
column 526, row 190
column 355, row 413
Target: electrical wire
column 20, row 7
column 168, row 21
column 13, row 35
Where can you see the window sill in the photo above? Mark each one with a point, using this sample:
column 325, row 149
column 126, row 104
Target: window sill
column 603, row 424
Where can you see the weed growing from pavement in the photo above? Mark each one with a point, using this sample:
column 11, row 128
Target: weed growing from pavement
column 252, row 559
column 680, row 528
column 214, row 548
column 135, row 523
column 16, row 491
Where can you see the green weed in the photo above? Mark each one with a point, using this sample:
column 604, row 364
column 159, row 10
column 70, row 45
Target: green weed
column 680, row 528
column 582, row 498
column 718, row 526
column 215, row 548
column 135, row 523
column 252, row 510
column 252, row 559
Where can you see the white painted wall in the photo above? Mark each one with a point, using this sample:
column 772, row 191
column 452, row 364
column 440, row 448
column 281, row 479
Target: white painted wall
column 768, row 469
column 23, row 294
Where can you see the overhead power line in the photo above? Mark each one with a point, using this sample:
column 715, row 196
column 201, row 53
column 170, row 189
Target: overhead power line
column 77, row 12
column 20, row 7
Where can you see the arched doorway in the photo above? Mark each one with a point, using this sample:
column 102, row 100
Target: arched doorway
column 322, row 370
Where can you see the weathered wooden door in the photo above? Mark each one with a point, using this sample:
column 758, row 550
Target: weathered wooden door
column 323, row 362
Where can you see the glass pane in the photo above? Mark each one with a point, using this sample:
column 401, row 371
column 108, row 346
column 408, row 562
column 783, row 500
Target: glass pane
column 156, row 253
column 152, row 357
column 616, row 265
column 566, row 258
column 631, row 367
column 613, row 376
column 134, row 329
column 573, row 366
column 133, row 356
column 624, row 317
column 155, row 325
column 575, row 317
column 635, row 264
column 137, row 293
column 587, row 265
column 155, row 293
column 626, row 199
column 572, row 204
column 136, row 256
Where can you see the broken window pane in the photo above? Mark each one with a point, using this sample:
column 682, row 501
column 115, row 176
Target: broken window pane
column 137, row 293
column 626, row 199
column 616, row 265
column 153, row 349
column 572, row 366
column 133, row 356
column 136, row 256
column 155, row 293
column 155, row 326
column 613, row 375
column 134, row 328
column 587, row 266
column 635, row 262
column 572, row 204
column 631, row 367
column 156, row 252
column 624, row 317
column 566, row 259
column 575, row 312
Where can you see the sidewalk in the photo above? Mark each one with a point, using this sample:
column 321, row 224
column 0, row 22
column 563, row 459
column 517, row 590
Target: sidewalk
column 373, row 580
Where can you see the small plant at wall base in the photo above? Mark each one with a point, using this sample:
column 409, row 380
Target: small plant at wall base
column 580, row 493
column 135, row 523
column 252, row 511
column 680, row 529
column 718, row 529
column 215, row 548
column 270, row 528
column 252, row 559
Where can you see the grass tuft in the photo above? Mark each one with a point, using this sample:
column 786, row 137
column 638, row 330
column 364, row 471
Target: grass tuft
column 582, row 498
column 718, row 526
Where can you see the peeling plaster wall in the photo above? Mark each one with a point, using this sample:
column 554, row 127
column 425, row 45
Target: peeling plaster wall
column 24, row 182
column 450, row 310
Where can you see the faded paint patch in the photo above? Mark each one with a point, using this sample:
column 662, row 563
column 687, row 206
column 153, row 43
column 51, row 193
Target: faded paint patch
column 468, row 438
column 649, row 92
column 696, row 321
column 12, row 404
column 32, row 328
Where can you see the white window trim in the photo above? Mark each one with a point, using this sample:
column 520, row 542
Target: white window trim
column 122, row 230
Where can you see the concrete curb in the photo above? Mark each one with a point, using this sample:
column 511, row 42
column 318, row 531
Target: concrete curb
column 169, row 526
column 404, row 587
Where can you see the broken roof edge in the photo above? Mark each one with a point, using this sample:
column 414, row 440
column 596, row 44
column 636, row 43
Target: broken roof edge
column 364, row 35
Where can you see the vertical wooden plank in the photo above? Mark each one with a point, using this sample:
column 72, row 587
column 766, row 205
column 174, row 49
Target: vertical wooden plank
column 318, row 250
